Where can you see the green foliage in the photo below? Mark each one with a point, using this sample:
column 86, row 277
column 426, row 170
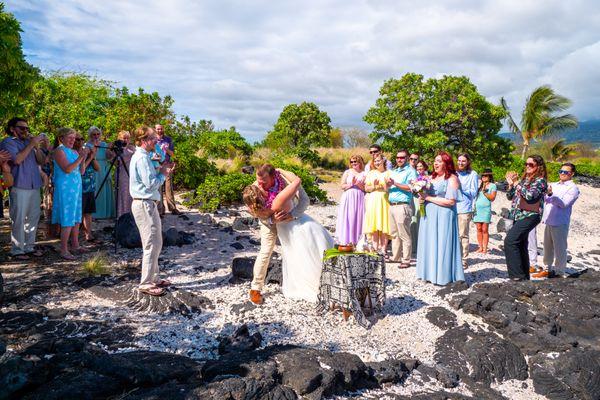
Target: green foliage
column 79, row 101
column 17, row 76
column 429, row 115
column 300, row 126
column 309, row 181
column 95, row 266
column 337, row 137
column 219, row 190
column 191, row 169
column 226, row 143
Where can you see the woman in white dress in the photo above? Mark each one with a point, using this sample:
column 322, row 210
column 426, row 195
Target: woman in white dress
column 303, row 241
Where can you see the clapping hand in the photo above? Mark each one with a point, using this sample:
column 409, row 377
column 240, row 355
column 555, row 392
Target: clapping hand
column 353, row 180
column 84, row 152
column 4, row 156
column 549, row 191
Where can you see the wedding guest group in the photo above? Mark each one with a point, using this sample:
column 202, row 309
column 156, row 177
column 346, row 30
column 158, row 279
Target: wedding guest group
column 71, row 181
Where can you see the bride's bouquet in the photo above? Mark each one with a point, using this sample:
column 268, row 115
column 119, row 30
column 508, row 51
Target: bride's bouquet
column 420, row 185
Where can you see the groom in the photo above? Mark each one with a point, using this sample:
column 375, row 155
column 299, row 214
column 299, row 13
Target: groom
column 266, row 179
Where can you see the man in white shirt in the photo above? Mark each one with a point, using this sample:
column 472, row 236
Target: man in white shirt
column 558, row 205
column 144, row 187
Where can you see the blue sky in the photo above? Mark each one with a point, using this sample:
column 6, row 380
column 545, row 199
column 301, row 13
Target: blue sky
column 238, row 63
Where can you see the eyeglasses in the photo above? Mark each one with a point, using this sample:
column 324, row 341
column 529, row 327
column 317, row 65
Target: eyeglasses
column 564, row 172
column 23, row 128
column 413, row 159
column 530, row 165
column 374, row 151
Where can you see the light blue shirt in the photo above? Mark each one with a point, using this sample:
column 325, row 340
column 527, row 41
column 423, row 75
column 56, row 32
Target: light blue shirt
column 403, row 176
column 144, row 181
column 469, row 183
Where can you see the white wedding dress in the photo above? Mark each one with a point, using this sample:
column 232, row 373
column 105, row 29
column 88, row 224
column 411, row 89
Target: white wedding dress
column 303, row 242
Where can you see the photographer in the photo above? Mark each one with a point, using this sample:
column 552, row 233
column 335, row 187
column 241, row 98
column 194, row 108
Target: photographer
column 88, row 183
column 144, row 186
column 105, row 201
column 25, row 193
column 166, row 145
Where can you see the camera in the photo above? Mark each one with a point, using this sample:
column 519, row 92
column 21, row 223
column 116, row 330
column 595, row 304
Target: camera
column 118, row 146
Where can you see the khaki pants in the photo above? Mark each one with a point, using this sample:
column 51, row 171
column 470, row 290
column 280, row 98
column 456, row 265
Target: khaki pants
column 148, row 222
column 24, row 214
column 166, row 194
column 464, row 221
column 268, row 238
column 555, row 248
column 400, row 220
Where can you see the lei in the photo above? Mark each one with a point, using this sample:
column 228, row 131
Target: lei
column 274, row 191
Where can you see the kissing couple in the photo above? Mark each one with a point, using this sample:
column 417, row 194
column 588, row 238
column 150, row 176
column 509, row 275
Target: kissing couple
column 278, row 200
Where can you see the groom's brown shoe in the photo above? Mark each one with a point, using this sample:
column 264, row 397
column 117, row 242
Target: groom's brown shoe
column 256, row 297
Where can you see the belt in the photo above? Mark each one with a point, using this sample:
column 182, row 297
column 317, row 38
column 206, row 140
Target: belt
column 145, row 199
column 399, row 202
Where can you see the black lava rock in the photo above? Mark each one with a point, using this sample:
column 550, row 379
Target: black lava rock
column 127, row 233
column 242, row 270
column 244, row 223
column 441, row 317
column 237, row 246
column 240, row 341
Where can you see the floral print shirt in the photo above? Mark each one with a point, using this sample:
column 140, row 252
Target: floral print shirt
column 531, row 192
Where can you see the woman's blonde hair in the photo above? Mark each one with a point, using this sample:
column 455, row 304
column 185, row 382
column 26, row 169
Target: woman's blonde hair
column 62, row 132
column 253, row 198
column 142, row 133
column 121, row 134
column 372, row 162
column 357, row 157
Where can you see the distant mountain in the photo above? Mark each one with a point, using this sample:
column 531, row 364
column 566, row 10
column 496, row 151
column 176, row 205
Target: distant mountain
column 588, row 131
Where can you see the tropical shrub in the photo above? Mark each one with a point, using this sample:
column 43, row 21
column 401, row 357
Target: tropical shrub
column 191, row 170
column 220, row 190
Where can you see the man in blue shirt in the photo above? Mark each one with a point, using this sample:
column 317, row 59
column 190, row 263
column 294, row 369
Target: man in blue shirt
column 469, row 185
column 144, row 186
column 25, row 200
column 401, row 210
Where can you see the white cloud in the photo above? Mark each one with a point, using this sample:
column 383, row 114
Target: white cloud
column 239, row 63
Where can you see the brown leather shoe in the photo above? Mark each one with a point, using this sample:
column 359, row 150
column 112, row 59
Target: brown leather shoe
column 256, row 297
column 541, row 274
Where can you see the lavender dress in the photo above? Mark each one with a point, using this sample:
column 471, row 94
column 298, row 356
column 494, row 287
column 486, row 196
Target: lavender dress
column 124, row 200
column 351, row 212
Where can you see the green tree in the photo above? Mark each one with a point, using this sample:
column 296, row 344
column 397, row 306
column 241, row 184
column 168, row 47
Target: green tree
column 300, row 127
column 79, row 101
column 225, row 143
column 539, row 117
column 337, row 137
column 17, row 76
column 428, row 115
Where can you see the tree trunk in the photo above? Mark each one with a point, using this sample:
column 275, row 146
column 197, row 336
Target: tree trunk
column 525, row 148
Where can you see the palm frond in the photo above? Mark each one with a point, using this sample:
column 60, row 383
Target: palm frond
column 512, row 125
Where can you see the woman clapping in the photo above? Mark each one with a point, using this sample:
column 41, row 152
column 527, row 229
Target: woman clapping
column 351, row 211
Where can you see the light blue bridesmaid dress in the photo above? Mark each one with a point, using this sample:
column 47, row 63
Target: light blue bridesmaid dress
column 66, row 203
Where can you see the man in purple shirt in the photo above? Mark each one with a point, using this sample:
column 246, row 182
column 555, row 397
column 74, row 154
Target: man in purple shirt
column 166, row 145
column 25, row 160
column 559, row 202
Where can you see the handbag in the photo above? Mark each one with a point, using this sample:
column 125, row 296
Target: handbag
column 526, row 206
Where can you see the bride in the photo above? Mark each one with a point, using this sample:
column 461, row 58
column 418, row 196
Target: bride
column 303, row 241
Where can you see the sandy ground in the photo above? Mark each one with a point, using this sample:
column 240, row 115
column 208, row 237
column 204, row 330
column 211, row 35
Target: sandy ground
column 400, row 331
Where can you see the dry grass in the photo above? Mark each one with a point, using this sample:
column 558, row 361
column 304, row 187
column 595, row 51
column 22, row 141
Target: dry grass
column 339, row 158
column 95, row 266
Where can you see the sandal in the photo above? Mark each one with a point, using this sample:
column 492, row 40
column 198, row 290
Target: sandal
column 36, row 253
column 154, row 291
column 20, row 257
column 162, row 283
column 68, row 257
column 80, row 250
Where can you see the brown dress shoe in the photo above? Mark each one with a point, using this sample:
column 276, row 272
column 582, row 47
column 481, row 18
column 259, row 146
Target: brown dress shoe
column 256, row 297
column 541, row 274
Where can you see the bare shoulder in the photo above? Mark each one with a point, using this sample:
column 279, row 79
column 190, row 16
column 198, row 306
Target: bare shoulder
column 453, row 181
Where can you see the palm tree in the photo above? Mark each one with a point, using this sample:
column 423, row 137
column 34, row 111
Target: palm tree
column 539, row 116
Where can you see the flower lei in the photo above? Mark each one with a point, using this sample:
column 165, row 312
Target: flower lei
column 274, row 191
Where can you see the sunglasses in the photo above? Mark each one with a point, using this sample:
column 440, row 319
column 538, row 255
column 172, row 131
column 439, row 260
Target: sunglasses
column 530, row 165
column 353, row 162
column 413, row 159
column 78, row 139
column 564, row 172
column 400, row 157
column 22, row 128
column 374, row 151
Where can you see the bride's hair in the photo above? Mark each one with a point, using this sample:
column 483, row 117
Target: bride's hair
column 253, row 198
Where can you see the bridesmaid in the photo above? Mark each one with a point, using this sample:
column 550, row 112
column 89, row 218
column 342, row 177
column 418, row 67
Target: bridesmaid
column 352, row 204
column 124, row 200
column 105, row 201
column 483, row 209
column 439, row 251
column 66, row 210
column 377, row 207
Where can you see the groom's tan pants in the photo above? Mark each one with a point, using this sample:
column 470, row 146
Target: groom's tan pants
column 268, row 238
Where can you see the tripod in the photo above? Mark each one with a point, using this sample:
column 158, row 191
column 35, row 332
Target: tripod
column 118, row 158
